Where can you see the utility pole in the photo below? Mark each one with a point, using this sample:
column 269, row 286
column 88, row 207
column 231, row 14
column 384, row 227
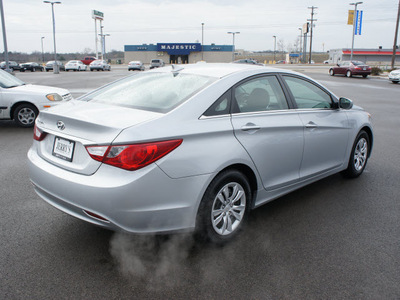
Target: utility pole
column 312, row 25
column 274, row 36
column 395, row 37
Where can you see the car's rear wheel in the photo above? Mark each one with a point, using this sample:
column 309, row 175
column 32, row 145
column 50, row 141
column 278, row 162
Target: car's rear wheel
column 25, row 115
column 359, row 156
column 224, row 207
column 331, row 72
column 348, row 73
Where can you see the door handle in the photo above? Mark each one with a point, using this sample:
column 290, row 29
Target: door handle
column 311, row 124
column 250, row 126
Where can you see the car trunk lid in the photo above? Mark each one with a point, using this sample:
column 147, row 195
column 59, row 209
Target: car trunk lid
column 76, row 124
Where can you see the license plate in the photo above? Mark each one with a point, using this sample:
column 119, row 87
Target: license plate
column 364, row 68
column 63, row 148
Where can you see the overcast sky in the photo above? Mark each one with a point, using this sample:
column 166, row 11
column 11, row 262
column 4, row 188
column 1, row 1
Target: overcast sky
column 133, row 22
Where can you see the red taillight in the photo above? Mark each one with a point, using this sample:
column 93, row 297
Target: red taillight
column 38, row 135
column 132, row 157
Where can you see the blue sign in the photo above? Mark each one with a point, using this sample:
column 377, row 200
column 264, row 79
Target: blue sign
column 358, row 24
column 179, row 49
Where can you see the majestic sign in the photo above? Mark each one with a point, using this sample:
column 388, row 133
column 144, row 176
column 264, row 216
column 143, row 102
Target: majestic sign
column 179, row 49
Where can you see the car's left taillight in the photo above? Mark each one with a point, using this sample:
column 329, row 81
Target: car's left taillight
column 132, row 157
column 38, row 134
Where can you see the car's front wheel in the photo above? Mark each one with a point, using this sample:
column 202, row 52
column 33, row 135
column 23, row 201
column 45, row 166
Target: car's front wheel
column 25, row 115
column 224, row 207
column 348, row 73
column 359, row 156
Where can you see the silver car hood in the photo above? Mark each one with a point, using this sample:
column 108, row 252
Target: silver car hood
column 38, row 89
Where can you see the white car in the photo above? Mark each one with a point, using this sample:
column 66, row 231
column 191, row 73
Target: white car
column 135, row 65
column 75, row 65
column 394, row 76
column 99, row 64
column 22, row 102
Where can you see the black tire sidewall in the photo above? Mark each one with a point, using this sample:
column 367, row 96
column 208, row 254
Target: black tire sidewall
column 351, row 172
column 204, row 227
column 19, row 107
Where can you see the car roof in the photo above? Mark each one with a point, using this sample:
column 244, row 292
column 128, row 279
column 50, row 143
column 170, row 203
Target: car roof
column 220, row 70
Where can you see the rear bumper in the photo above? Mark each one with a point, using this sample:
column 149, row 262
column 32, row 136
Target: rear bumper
column 144, row 201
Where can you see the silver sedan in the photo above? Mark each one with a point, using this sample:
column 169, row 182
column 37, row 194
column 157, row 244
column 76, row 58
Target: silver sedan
column 194, row 147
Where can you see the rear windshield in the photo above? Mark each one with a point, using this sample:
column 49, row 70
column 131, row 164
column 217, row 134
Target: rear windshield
column 158, row 92
column 357, row 63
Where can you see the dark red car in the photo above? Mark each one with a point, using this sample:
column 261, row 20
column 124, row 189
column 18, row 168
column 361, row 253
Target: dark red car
column 350, row 68
column 88, row 59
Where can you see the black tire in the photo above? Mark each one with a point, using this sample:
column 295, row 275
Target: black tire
column 359, row 156
column 331, row 72
column 47, row 70
column 395, row 82
column 12, row 69
column 213, row 214
column 33, row 70
column 25, row 115
column 365, row 76
column 348, row 74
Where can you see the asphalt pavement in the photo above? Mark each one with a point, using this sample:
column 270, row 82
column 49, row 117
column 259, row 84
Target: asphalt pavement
column 334, row 239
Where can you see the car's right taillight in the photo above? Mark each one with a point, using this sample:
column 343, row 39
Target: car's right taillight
column 38, row 134
column 132, row 157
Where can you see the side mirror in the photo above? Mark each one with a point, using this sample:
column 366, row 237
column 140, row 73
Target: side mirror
column 345, row 103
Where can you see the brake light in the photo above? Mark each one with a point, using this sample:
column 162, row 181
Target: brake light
column 132, row 157
column 38, row 134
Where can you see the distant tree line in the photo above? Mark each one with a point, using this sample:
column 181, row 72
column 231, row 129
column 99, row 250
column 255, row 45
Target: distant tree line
column 38, row 57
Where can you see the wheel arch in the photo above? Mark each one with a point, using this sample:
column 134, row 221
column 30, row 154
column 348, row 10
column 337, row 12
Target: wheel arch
column 16, row 104
column 250, row 175
column 370, row 136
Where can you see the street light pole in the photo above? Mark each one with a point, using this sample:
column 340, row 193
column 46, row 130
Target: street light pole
column 55, row 66
column 42, row 49
column 274, row 36
column 354, row 27
column 103, row 43
column 202, row 41
column 301, row 35
column 395, row 37
column 3, row 24
column 233, row 43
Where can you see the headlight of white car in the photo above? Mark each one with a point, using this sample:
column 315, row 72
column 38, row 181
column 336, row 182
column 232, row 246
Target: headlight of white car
column 54, row 97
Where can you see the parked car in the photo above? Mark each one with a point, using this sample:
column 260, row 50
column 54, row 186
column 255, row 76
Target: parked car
column 12, row 65
column 326, row 62
column 247, row 61
column 135, row 65
column 156, row 63
column 49, row 66
column 31, row 66
column 350, row 68
column 195, row 147
column 75, row 65
column 99, row 65
column 22, row 102
column 88, row 59
column 281, row 62
column 394, row 76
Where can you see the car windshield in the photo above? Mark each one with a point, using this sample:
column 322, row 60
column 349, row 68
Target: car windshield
column 158, row 92
column 8, row 81
column 357, row 63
